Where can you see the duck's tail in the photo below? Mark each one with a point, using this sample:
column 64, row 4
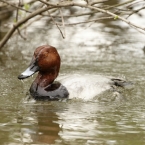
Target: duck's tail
column 122, row 83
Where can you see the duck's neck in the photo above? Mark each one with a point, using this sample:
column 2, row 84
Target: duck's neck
column 43, row 80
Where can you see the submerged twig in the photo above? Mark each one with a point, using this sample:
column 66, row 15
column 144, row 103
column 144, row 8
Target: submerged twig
column 17, row 7
column 91, row 6
column 62, row 18
column 17, row 13
column 19, row 23
column 56, row 25
column 95, row 20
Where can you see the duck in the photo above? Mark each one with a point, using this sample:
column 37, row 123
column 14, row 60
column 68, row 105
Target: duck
column 46, row 61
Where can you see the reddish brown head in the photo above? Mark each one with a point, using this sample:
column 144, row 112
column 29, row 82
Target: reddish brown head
column 46, row 60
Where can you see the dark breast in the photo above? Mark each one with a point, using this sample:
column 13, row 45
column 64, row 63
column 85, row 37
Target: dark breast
column 54, row 92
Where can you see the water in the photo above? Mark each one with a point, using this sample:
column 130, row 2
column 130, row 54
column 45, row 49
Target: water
column 89, row 51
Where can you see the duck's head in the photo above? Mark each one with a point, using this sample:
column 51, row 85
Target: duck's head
column 46, row 61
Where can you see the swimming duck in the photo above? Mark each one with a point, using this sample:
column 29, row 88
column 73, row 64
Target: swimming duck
column 46, row 61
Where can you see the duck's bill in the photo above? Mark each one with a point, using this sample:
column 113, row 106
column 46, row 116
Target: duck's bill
column 29, row 71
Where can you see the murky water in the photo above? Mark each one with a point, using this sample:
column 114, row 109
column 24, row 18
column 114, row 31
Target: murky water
column 89, row 51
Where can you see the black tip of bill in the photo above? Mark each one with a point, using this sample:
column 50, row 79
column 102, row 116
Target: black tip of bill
column 21, row 76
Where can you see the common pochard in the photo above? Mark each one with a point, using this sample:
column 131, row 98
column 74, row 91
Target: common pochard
column 46, row 61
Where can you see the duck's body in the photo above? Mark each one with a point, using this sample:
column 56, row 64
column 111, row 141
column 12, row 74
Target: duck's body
column 85, row 87
column 46, row 61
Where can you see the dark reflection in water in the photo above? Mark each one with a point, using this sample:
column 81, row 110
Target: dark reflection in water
column 45, row 129
column 36, row 126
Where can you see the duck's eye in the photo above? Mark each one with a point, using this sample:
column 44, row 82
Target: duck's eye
column 45, row 55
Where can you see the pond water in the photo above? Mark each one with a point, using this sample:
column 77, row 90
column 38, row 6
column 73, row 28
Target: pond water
column 92, row 50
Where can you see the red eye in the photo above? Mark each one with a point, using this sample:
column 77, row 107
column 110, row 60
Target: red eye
column 44, row 55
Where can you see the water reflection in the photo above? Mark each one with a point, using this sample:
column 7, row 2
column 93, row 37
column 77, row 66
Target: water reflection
column 42, row 132
column 99, row 124
column 76, row 122
column 30, row 125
